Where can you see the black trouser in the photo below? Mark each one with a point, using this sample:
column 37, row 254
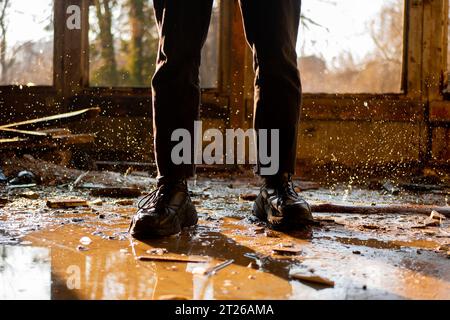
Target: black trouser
column 271, row 28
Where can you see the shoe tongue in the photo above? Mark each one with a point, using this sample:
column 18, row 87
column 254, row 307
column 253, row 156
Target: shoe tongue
column 275, row 182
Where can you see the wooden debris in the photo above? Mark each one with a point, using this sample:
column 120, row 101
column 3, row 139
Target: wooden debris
column 58, row 118
column 124, row 202
column 391, row 188
column 30, row 195
column 370, row 226
column 436, row 215
column 432, row 223
column 171, row 297
column 378, row 209
column 9, row 132
column 306, row 185
column 287, row 251
column 313, row 279
column 271, row 234
column 13, row 137
column 157, row 251
column 165, row 258
column 259, row 230
column 22, row 186
column 3, row 201
column 111, row 192
column 96, row 202
column 248, row 196
column 218, row 267
column 66, row 203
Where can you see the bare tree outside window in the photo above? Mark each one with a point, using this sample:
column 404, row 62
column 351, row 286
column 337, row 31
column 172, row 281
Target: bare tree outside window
column 26, row 42
column 124, row 40
column 351, row 46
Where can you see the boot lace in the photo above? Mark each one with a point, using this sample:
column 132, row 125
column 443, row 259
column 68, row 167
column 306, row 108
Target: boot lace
column 288, row 188
column 153, row 198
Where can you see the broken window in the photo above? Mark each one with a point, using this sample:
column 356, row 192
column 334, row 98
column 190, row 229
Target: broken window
column 351, row 46
column 123, row 41
column 26, row 42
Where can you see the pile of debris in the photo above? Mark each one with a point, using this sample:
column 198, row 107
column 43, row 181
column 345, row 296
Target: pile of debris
column 41, row 134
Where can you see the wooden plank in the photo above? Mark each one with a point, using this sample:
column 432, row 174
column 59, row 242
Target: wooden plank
column 311, row 278
column 59, row 118
column 379, row 209
column 66, row 203
column 181, row 259
column 10, row 132
column 125, row 192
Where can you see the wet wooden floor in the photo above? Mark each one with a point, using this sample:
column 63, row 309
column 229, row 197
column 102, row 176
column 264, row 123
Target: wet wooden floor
column 87, row 254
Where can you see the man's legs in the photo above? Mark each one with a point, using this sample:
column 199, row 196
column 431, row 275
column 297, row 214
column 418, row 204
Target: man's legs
column 271, row 28
column 183, row 27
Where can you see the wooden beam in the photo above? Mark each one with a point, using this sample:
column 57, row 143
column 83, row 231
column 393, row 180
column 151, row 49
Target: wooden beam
column 63, row 117
column 379, row 209
column 8, row 132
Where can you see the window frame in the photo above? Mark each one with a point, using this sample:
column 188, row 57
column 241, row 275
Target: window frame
column 71, row 75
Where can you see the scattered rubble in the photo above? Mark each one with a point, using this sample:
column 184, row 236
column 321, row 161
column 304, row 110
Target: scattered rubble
column 124, row 202
column 391, row 188
column 116, row 192
column 30, row 195
column 24, row 178
column 379, row 209
column 313, row 279
column 157, row 251
column 286, row 250
column 213, row 270
column 248, row 196
column 3, row 202
column 436, row 216
column 66, row 203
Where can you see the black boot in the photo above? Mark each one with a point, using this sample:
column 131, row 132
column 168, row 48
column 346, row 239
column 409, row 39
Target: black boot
column 164, row 212
column 280, row 206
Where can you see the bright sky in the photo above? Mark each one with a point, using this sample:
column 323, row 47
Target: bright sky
column 346, row 21
column 28, row 19
column 343, row 21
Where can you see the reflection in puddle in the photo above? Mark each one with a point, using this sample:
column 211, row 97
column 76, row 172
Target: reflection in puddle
column 25, row 273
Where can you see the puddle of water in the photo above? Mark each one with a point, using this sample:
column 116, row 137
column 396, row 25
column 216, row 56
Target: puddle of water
column 107, row 268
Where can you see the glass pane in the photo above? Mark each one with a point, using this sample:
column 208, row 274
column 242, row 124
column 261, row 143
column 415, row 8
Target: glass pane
column 26, row 42
column 351, row 46
column 123, row 44
column 209, row 70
